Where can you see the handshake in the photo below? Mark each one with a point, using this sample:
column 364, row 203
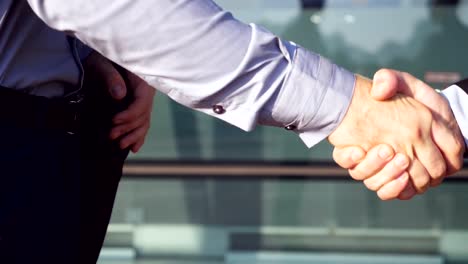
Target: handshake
column 399, row 136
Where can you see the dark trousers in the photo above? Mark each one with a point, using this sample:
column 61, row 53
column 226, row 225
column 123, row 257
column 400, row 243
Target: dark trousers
column 56, row 189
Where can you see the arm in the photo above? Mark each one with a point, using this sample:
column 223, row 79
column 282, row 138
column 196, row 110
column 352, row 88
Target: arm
column 201, row 56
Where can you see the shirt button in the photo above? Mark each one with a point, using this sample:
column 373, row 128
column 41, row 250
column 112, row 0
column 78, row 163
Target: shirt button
column 290, row 127
column 218, row 109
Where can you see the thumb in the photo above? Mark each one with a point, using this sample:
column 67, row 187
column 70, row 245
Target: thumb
column 107, row 74
column 385, row 85
column 113, row 81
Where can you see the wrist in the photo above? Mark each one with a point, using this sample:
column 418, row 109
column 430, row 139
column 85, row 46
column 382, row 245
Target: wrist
column 358, row 109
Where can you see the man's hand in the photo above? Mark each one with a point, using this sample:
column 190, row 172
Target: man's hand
column 402, row 123
column 381, row 172
column 131, row 125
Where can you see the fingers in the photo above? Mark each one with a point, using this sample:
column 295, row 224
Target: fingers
column 133, row 123
column 375, row 160
column 451, row 145
column 408, row 193
column 127, row 127
column 348, row 157
column 142, row 104
column 394, row 188
column 445, row 131
column 419, row 177
column 134, row 138
column 137, row 146
column 390, row 172
column 133, row 133
column 433, row 161
column 135, row 110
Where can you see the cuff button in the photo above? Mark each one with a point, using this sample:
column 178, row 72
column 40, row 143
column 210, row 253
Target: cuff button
column 291, row 127
column 218, row 109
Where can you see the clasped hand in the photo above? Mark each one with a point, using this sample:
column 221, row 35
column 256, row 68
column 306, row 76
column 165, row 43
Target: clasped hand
column 401, row 144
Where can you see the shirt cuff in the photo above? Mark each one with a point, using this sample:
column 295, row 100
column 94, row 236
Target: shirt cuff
column 317, row 95
column 333, row 106
column 457, row 99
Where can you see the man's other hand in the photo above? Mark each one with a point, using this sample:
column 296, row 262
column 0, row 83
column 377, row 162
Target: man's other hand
column 130, row 126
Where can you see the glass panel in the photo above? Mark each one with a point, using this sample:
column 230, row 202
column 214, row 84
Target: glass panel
column 212, row 219
column 362, row 36
column 263, row 220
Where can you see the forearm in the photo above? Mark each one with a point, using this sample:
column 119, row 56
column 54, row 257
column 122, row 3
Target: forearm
column 201, row 57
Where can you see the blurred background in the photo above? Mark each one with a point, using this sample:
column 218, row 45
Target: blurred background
column 202, row 191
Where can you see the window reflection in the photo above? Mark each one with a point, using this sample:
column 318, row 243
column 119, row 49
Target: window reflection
column 205, row 219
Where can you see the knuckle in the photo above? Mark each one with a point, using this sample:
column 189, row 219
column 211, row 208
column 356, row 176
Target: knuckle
column 415, row 133
column 421, row 185
column 427, row 115
column 455, row 163
column 436, row 183
column 420, row 135
column 438, row 172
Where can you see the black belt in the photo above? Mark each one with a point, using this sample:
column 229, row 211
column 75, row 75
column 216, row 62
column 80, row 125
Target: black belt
column 36, row 112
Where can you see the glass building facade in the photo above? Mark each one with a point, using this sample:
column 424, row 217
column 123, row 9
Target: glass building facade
column 202, row 191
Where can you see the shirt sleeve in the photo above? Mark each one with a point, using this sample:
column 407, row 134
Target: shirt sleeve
column 458, row 100
column 205, row 59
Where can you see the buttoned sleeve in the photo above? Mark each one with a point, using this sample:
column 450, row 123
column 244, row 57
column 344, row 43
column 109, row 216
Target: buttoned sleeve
column 204, row 58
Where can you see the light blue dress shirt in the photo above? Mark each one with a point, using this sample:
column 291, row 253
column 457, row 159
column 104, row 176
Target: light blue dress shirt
column 192, row 50
column 33, row 57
